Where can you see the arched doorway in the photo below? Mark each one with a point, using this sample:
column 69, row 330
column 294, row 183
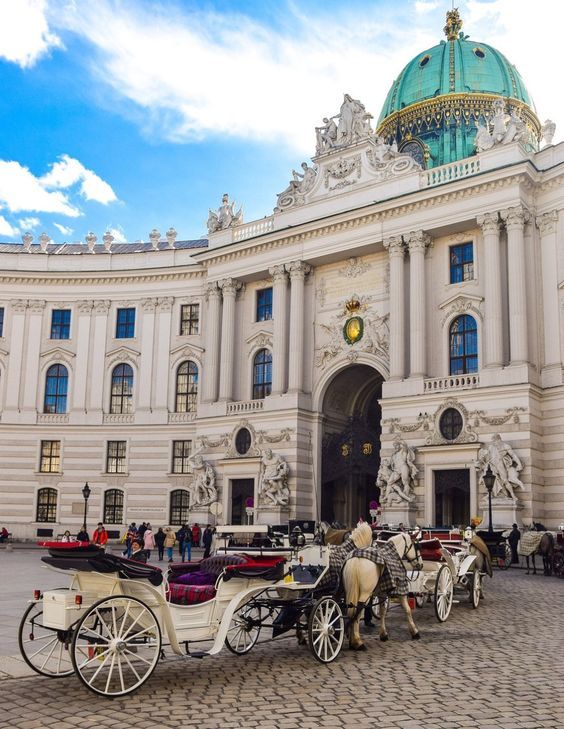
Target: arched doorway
column 350, row 455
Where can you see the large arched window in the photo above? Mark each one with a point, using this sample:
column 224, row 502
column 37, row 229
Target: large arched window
column 121, row 400
column 463, row 345
column 186, row 388
column 179, row 506
column 113, row 506
column 46, row 505
column 262, row 374
column 56, row 386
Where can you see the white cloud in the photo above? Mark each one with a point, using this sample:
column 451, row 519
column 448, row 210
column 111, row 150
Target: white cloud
column 20, row 191
column 63, row 229
column 426, row 6
column 24, row 31
column 6, row 229
column 118, row 233
column 69, row 171
column 29, row 223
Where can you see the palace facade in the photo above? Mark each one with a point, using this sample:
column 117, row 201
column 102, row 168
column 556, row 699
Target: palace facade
column 407, row 289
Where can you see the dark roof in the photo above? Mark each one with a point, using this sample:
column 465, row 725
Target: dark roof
column 82, row 248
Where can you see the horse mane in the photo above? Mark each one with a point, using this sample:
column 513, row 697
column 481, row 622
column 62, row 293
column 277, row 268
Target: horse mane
column 362, row 536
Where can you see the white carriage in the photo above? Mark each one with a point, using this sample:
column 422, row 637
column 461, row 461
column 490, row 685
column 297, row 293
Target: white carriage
column 111, row 625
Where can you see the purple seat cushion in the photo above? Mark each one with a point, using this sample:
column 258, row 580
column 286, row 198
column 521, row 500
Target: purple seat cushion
column 195, row 578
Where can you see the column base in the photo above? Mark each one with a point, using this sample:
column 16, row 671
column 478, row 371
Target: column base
column 397, row 514
column 551, row 375
column 505, row 512
column 267, row 514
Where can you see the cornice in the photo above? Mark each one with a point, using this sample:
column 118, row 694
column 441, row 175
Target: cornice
column 76, row 278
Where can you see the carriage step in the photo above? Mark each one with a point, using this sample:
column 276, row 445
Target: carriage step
column 198, row 654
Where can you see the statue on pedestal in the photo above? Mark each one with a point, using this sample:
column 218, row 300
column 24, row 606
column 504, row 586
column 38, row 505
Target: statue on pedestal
column 396, row 477
column 226, row 217
column 202, row 490
column 273, row 480
column 505, row 465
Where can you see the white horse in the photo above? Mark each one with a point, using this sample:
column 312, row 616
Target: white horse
column 361, row 576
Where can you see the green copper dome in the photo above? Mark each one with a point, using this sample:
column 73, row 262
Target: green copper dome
column 433, row 106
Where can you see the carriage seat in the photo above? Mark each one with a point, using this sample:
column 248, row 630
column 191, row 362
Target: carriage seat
column 191, row 584
column 430, row 550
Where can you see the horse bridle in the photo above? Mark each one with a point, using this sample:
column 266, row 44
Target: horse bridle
column 408, row 542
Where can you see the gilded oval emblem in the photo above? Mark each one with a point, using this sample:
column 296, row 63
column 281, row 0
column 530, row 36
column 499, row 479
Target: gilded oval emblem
column 353, row 330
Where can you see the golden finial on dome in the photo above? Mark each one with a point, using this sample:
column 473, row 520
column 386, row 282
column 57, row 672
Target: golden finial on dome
column 453, row 24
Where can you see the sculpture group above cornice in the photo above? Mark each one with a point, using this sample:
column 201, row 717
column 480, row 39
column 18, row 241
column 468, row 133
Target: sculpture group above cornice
column 502, row 128
column 300, row 184
column 547, row 131
column 226, row 217
column 353, row 126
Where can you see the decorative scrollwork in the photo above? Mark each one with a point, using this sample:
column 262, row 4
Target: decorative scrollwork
column 284, row 434
column 510, row 414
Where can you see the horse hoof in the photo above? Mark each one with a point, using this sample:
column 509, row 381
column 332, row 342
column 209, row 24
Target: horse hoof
column 384, row 638
column 417, row 636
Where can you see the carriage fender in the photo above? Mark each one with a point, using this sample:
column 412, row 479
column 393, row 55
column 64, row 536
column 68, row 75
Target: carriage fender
column 467, row 565
column 236, row 602
column 447, row 556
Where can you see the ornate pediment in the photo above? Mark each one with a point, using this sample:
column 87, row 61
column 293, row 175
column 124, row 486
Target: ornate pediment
column 58, row 354
column 122, row 354
column 461, row 304
column 186, row 351
column 260, row 339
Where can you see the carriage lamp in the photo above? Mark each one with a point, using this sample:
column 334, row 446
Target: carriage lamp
column 489, row 480
column 78, row 600
column 37, row 594
column 86, row 491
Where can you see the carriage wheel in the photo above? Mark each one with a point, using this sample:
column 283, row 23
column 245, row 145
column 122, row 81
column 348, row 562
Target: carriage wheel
column 505, row 562
column 444, row 591
column 116, row 646
column 558, row 564
column 475, row 588
column 44, row 649
column 326, row 629
column 244, row 630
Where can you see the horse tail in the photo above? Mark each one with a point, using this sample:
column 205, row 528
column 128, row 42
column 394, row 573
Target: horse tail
column 351, row 583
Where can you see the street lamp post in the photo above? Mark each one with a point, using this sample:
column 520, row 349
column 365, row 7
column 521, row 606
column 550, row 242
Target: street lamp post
column 489, row 480
column 86, row 495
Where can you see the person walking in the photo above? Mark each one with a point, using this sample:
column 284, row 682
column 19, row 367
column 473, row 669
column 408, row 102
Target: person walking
column 100, row 536
column 207, row 539
column 180, row 536
column 131, row 536
column 196, row 532
column 513, row 539
column 159, row 541
column 170, row 541
column 148, row 541
column 141, row 533
column 187, row 544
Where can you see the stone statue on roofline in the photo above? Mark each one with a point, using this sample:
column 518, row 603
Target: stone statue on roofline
column 300, row 184
column 226, row 217
column 353, row 126
column 503, row 128
column 547, row 130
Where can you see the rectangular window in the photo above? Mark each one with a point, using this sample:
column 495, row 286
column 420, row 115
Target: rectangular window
column 181, row 450
column 1, row 321
column 60, row 323
column 125, row 324
column 461, row 262
column 264, row 304
column 50, row 456
column 189, row 319
column 115, row 460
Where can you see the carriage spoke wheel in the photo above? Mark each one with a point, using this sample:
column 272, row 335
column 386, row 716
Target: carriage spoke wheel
column 116, row 646
column 326, row 629
column 244, row 629
column 44, row 649
column 558, row 564
column 444, row 590
column 504, row 562
column 475, row 588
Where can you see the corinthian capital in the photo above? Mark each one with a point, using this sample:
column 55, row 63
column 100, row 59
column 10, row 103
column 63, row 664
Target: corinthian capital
column 547, row 222
column 37, row 306
column 489, row 223
column 418, row 241
column 213, row 290
column 279, row 274
column 395, row 246
column 19, row 305
column 165, row 303
column 298, row 269
column 230, row 286
column 515, row 218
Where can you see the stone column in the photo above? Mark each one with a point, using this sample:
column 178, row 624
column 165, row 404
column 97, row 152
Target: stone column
column 143, row 387
column 14, row 374
column 489, row 223
column 160, row 377
column 547, row 224
column 298, row 270
column 101, row 309
column 83, row 315
column 515, row 219
column 279, row 355
column 396, row 250
column 229, row 287
column 417, row 243
column 31, row 372
column 212, row 324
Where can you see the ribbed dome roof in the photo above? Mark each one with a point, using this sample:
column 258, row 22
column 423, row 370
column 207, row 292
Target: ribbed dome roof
column 456, row 66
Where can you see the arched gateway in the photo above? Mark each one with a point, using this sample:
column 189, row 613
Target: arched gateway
column 350, row 450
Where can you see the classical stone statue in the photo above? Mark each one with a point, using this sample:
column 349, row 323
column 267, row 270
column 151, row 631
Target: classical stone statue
column 300, row 184
column 226, row 217
column 326, row 136
column 548, row 129
column 484, row 139
column 354, row 121
column 202, row 490
column 273, row 482
column 505, row 465
column 503, row 128
column 396, row 476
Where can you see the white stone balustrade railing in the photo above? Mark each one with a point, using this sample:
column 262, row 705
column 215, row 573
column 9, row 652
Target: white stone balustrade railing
column 181, row 417
column 55, row 418
column 250, row 230
column 450, row 173
column 248, row 406
column 454, row 382
column 110, row 418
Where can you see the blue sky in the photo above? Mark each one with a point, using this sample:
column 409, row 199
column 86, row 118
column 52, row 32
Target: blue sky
column 134, row 114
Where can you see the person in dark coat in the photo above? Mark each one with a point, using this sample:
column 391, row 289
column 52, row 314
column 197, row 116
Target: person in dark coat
column 513, row 539
column 159, row 541
column 138, row 554
column 207, row 540
column 141, row 533
column 180, row 536
column 82, row 535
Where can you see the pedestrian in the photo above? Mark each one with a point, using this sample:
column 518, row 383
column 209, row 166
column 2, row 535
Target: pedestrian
column 148, row 541
column 513, row 539
column 141, row 533
column 207, row 539
column 187, row 544
column 180, row 536
column 4, row 534
column 100, row 536
column 196, row 532
column 159, row 541
column 66, row 537
column 170, row 541
column 130, row 538
column 137, row 553
column 82, row 535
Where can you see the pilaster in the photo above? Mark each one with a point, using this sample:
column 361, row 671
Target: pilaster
column 515, row 219
column 551, row 373
column 143, row 388
column 213, row 327
column 396, row 250
column 279, row 345
column 14, row 374
column 101, row 310
column 229, row 288
column 489, row 223
column 160, row 375
column 31, row 368
column 83, row 313
column 297, row 270
column 417, row 243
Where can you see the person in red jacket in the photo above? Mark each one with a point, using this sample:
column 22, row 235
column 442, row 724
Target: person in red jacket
column 100, row 536
column 196, row 532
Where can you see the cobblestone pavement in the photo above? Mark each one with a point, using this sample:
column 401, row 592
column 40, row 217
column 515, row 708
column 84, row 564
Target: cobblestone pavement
column 497, row 666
